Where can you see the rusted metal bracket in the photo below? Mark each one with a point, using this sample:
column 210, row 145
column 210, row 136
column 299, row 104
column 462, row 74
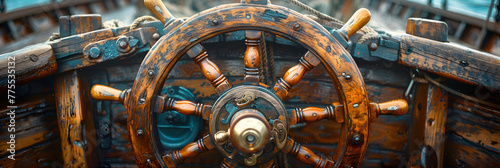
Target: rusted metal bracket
column 122, row 46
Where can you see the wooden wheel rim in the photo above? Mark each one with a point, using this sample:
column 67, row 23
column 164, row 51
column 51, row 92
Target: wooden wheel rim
column 270, row 18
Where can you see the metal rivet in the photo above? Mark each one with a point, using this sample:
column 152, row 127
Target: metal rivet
column 348, row 77
column 95, row 52
column 215, row 22
column 373, row 46
column 296, row 26
column 355, row 105
column 140, row 132
column 142, row 100
column 248, row 16
column 314, row 114
column 33, row 57
column 151, row 73
column 356, row 138
column 156, row 36
column 408, row 50
column 122, row 44
column 464, row 63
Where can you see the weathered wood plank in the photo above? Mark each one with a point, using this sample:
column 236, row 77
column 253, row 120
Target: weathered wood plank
column 30, row 63
column 460, row 153
column 428, row 125
column 451, row 61
column 46, row 154
column 474, row 123
column 78, row 140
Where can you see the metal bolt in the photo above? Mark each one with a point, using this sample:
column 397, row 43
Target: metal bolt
column 123, row 44
column 464, row 63
column 296, row 26
column 373, row 46
column 140, row 132
column 142, row 100
column 95, row 52
column 408, row 50
column 355, row 105
column 215, row 22
column 151, row 73
column 356, row 138
column 156, row 36
column 348, row 77
column 104, row 129
column 33, row 57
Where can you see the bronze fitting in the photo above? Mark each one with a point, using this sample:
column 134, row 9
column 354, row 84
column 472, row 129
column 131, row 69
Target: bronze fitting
column 249, row 131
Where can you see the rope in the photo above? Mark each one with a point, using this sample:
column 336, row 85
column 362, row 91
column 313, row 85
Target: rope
column 140, row 20
column 427, row 79
column 54, row 36
column 263, row 65
column 272, row 76
column 368, row 32
column 112, row 23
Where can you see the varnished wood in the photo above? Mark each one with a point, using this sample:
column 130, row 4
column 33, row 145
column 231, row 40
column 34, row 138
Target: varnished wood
column 252, row 56
column 295, row 74
column 101, row 92
column 189, row 151
column 159, row 10
column 209, row 69
column 305, row 155
column 30, row 63
column 394, row 107
column 186, row 107
column 74, row 117
column 334, row 112
column 359, row 19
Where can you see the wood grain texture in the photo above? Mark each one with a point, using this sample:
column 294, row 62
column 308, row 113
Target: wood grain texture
column 450, row 60
column 36, row 133
column 77, row 136
column 429, row 118
column 426, row 28
column 30, row 63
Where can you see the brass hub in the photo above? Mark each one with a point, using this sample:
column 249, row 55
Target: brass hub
column 249, row 131
column 243, row 124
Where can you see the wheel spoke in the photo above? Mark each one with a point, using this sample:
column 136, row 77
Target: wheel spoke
column 295, row 74
column 333, row 112
column 186, row 107
column 189, row 151
column 210, row 70
column 252, row 56
column 305, row 155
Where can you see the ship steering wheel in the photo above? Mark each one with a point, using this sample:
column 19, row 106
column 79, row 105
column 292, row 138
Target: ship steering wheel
column 255, row 131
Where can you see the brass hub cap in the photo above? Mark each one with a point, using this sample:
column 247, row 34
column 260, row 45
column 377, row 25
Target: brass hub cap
column 243, row 124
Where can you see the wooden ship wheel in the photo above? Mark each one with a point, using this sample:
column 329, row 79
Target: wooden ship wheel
column 248, row 123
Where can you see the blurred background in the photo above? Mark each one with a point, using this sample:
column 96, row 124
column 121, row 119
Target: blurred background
column 25, row 22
